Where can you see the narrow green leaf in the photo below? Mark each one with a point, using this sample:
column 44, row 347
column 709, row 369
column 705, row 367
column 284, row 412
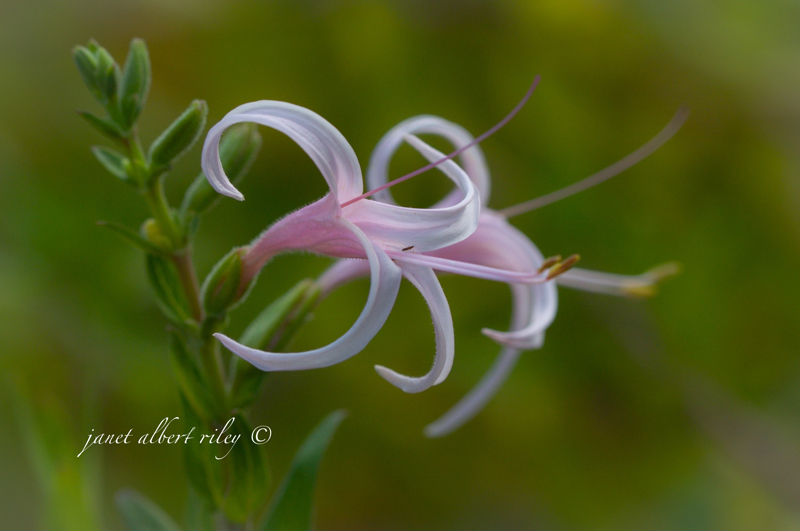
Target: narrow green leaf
column 131, row 237
column 248, row 477
column 106, row 75
column 87, row 66
column 204, row 472
column 296, row 319
column 110, row 83
column 246, row 379
column 63, row 479
column 114, row 161
column 135, row 84
column 105, row 127
column 165, row 282
column 198, row 515
column 189, row 378
column 180, row 136
column 260, row 331
column 292, row 508
column 141, row 514
column 35, row 442
column 238, row 150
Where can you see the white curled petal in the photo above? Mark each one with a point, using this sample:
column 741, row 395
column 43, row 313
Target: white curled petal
column 424, row 229
column 472, row 159
column 424, row 279
column 385, row 281
column 534, row 308
column 480, row 395
column 319, row 139
column 477, row 398
column 544, row 306
column 543, row 300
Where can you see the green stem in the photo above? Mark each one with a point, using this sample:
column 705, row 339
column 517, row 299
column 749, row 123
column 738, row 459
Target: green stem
column 157, row 201
column 212, row 366
column 183, row 262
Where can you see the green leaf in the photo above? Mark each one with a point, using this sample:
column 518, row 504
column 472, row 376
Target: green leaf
column 135, row 84
column 199, row 516
column 293, row 506
column 246, row 379
column 237, row 150
column 204, row 472
column 107, row 75
column 221, row 286
column 166, row 283
column 105, row 127
column 180, row 136
column 190, row 379
column 259, row 333
column 64, row 478
column 114, row 161
column 86, row 62
column 141, row 514
column 248, row 474
column 131, row 237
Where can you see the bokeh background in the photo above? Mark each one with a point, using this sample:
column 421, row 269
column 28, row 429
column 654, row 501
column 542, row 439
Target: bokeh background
column 681, row 412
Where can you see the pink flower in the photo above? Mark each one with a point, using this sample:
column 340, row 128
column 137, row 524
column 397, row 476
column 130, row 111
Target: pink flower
column 494, row 246
column 343, row 224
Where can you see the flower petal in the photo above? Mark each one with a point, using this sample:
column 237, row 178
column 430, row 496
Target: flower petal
column 477, row 398
column 319, row 139
column 497, row 243
column 472, row 159
column 424, row 229
column 424, row 279
column 385, row 282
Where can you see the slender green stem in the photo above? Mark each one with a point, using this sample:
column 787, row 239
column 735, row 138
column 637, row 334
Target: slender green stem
column 183, row 262
column 212, row 366
column 157, row 201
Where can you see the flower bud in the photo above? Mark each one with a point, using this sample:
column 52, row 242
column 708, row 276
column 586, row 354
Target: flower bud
column 237, row 151
column 135, row 83
column 152, row 232
column 221, row 288
column 180, row 136
column 86, row 62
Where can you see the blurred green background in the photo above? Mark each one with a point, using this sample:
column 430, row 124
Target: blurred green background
column 677, row 413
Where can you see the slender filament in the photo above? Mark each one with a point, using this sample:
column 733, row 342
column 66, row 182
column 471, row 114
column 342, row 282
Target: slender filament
column 605, row 174
column 455, row 153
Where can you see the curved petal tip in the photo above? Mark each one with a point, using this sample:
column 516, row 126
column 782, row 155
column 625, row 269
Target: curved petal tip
column 404, row 383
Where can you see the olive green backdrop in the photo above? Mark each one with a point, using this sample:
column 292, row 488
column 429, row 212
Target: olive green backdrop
column 677, row 413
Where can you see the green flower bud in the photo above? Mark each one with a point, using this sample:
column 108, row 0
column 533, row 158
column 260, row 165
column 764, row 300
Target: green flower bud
column 180, row 136
column 151, row 232
column 86, row 62
column 106, row 75
column 237, row 151
column 135, row 84
column 221, row 290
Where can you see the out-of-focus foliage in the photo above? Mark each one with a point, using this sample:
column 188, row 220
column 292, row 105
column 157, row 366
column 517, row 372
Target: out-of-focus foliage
column 678, row 413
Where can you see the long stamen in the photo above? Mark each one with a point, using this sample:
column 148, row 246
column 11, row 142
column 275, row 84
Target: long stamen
column 455, row 153
column 643, row 285
column 603, row 175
